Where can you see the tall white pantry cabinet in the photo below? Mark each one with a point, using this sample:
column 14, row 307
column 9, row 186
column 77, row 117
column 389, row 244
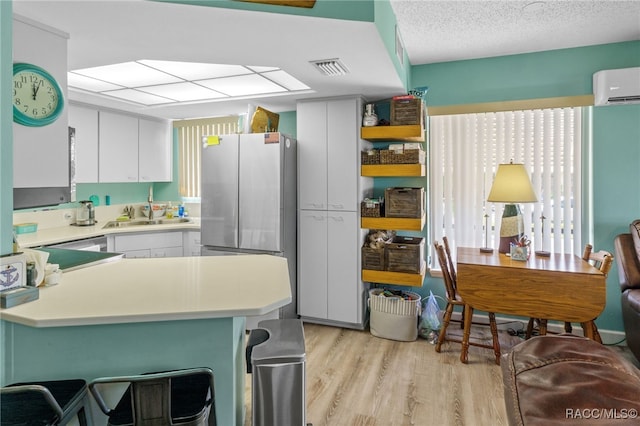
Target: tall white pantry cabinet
column 330, row 188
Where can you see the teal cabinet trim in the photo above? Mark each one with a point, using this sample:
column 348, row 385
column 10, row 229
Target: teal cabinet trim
column 6, row 127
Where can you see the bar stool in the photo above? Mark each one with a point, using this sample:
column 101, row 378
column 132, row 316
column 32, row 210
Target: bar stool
column 179, row 397
column 53, row 402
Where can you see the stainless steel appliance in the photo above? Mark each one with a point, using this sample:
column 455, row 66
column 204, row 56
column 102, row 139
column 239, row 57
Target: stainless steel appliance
column 249, row 200
column 276, row 357
column 85, row 214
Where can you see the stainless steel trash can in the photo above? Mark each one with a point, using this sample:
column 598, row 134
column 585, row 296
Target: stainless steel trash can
column 276, row 358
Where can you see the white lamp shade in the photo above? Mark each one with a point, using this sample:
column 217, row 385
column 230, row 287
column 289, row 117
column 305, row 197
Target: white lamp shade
column 512, row 185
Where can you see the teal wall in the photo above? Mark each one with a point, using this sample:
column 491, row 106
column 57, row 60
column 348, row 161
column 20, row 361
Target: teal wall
column 385, row 21
column 616, row 129
column 6, row 127
column 565, row 72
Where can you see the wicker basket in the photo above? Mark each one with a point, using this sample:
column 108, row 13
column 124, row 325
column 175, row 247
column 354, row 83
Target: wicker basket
column 370, row 157
column 406, row 112
column 373, row 258
column 408, row 156
column 404, row 202
column 405, row 254
column 371, row 209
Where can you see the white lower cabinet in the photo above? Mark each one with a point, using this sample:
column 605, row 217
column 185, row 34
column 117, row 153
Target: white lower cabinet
column 329, row 284
column 147, row 244
column 191, row 243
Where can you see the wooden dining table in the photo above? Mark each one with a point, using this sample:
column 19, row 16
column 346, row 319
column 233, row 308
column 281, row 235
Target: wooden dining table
column 560, row 287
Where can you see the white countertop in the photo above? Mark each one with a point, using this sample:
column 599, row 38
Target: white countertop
column 61, row 234
column 160, row 289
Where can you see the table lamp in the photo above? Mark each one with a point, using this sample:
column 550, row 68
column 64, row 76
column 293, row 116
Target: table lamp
column 511, row 186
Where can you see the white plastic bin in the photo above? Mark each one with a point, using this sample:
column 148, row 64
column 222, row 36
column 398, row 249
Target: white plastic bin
column 394, row 318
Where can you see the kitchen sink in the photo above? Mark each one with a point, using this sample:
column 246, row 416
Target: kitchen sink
column 142, row 222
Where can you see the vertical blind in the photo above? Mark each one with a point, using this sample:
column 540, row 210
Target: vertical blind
column 465, row 152
column 190, row 133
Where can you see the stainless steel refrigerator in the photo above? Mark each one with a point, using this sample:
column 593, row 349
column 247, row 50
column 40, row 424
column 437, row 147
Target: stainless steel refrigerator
column 248, row 201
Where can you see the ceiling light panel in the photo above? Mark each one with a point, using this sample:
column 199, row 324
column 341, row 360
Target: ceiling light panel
column 285, row 79
column 88, row 83
column 138, row 97
column 243, row 85
column 261, row 69
column 196, row 71
column 129, row 74
column 151, row 82
column 183, row 92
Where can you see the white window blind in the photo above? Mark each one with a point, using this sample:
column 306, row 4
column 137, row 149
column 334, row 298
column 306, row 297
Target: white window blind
column 465, row 152
column 190, row 133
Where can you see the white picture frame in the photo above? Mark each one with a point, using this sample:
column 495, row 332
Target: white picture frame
column 13, row 271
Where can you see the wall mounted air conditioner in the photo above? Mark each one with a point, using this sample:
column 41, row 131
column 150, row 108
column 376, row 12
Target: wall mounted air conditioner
column 614, row 87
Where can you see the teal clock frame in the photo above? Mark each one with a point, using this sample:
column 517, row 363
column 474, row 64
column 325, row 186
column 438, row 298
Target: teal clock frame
column 19, row 117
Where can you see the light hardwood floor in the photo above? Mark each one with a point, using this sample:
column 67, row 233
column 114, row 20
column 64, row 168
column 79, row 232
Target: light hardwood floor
column 354, row 378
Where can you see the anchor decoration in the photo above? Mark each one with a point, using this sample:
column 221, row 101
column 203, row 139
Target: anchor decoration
column 9, row 277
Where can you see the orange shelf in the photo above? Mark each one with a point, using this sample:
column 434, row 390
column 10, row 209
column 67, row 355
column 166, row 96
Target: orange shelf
column 409, row 133
column 406, row 224
column 393, row 170
column 395, row 278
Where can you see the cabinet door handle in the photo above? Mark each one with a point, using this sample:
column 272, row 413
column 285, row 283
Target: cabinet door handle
column 337, row 206
column 337, row 218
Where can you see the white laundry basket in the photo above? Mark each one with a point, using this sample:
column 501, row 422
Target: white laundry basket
column 394, row 318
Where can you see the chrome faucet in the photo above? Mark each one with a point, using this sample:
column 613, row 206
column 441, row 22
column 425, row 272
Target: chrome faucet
column 150, row 200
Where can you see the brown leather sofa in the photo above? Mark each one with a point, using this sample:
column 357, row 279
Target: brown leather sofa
column 627, row 248
column 558, row 380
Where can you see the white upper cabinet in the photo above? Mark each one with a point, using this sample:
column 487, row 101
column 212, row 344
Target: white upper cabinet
column 129, row 149
column 154, row 151
column 328, row 153
column 118, row 148
column 85, row 122
column 312, row 155
column 343, row 150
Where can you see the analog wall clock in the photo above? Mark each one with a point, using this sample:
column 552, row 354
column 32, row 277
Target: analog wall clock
column 37, row 96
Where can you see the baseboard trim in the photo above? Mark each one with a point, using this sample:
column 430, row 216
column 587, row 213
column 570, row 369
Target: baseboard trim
column 609, row 337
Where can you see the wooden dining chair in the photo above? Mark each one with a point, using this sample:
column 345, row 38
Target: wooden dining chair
column 603, row 260
column 452, row 271
column 453, row 300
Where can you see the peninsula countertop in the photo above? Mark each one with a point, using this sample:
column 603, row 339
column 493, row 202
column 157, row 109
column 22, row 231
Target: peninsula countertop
column 160, row 289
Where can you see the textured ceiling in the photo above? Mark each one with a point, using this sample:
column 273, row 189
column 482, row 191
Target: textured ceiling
column 441, row 31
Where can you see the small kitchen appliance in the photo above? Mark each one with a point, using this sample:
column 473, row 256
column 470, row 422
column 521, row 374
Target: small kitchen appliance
column 85, row 214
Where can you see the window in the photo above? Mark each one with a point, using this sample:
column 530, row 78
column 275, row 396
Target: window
column 190, row 133
column 465, row 152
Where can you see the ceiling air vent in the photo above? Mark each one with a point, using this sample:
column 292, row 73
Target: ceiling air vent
column 330, row 67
